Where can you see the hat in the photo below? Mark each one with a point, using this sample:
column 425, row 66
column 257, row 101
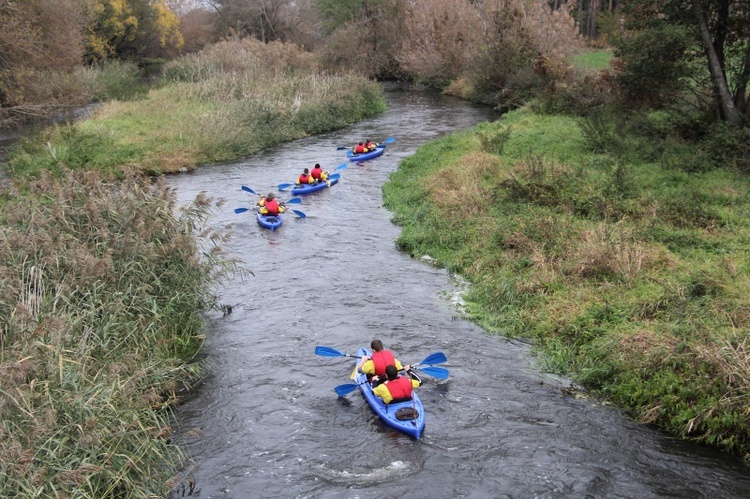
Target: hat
column 270, row 195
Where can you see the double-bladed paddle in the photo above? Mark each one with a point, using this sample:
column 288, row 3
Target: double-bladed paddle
column 333, row 176
column 434, row 358
column 435, row 372
column 386, row 141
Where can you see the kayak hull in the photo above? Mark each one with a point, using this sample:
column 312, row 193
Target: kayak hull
column 302, row 190
column 387, row 412
column 272, row 222
column 378, row 151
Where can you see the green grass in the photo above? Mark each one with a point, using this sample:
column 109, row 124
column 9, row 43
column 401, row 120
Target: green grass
column 593, row 59
column 630, row 275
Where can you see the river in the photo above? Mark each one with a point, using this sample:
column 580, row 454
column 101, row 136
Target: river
column 266, row 423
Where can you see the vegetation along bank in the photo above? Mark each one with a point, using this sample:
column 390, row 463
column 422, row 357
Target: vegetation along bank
column 629, row 272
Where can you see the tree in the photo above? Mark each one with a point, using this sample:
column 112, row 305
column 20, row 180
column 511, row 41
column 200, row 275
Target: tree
column 267, row 20
column 131, row 29
column 36, row 36
column 721, row 28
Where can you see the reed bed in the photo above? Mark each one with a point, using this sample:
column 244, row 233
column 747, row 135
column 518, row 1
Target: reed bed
column 101, row 291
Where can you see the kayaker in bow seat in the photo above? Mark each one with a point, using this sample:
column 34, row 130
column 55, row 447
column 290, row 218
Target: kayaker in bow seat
column 318, row 174
column 397, row 388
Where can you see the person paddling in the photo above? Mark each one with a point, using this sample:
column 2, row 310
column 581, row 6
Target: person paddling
column 269, row 205
column 360, row 148
column 379, row 359
column 318, row 174
column 397, row 388
column 305, row 178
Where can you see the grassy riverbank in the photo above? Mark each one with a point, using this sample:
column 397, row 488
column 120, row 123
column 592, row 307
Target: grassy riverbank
column 229, row 101
column 630, row 270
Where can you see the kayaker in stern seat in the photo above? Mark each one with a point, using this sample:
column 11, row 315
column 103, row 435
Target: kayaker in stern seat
column 269, row 205
column 397, row 388
column 377, row 362
column 318, row 174
column 305, row 178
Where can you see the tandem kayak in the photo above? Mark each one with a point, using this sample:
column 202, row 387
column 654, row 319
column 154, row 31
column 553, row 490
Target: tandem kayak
column 269, row 221
column 379, row 150
column 390, row 413
column 301, row 190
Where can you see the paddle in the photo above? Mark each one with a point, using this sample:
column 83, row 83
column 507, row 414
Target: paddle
column 435, row 372
column 300, row 214
column 331, row 352
column 386, row 141
column 291, row 201
column 247, row 189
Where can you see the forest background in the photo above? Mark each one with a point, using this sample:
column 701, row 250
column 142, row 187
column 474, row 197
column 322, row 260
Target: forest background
column 609, row 207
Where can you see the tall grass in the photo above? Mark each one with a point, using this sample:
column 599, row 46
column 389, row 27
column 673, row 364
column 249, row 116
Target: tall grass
column 628, row 266
column 100, row 296
column 229, row 101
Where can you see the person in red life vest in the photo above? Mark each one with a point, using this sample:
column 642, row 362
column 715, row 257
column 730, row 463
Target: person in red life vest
column 397, row 388
column 380, row 358
column 269, row 205
column 305, row 178
column 369, row 145
column 318, row 174
column 360, row 148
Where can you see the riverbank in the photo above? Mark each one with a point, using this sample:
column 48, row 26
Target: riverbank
column 229, row 101
column 629, row 270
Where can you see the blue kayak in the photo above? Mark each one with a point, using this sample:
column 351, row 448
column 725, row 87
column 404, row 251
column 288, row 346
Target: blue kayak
column 388, row 412
column 269, row 221
column 301, row 190
column 366, row 155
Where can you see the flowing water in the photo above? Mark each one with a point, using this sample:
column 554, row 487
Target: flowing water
column 266, row 421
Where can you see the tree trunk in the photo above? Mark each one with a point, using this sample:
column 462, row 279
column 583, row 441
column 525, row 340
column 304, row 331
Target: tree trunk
column 729, row 112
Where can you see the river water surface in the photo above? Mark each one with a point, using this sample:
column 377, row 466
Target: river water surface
column 266, row 422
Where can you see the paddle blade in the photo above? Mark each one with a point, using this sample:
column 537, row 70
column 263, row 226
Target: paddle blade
column 281, row 187
column 389, row 140
column 241, row 210
column 300, row 214
column 247, row 189
column 435, row 358
column 328, row 352
column 334, row 176
column 435, row 372
column 342, row 148
column 342, row 390
column 293, row 201
column 342, row 166
column 350, row 153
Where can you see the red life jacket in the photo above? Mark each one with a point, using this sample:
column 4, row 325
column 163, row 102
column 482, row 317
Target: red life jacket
column 272, row 206
column 381, row 360
column 316, row 173
column 370, row 146
column 305, row 179
column 359, row 149
column 400, row 387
